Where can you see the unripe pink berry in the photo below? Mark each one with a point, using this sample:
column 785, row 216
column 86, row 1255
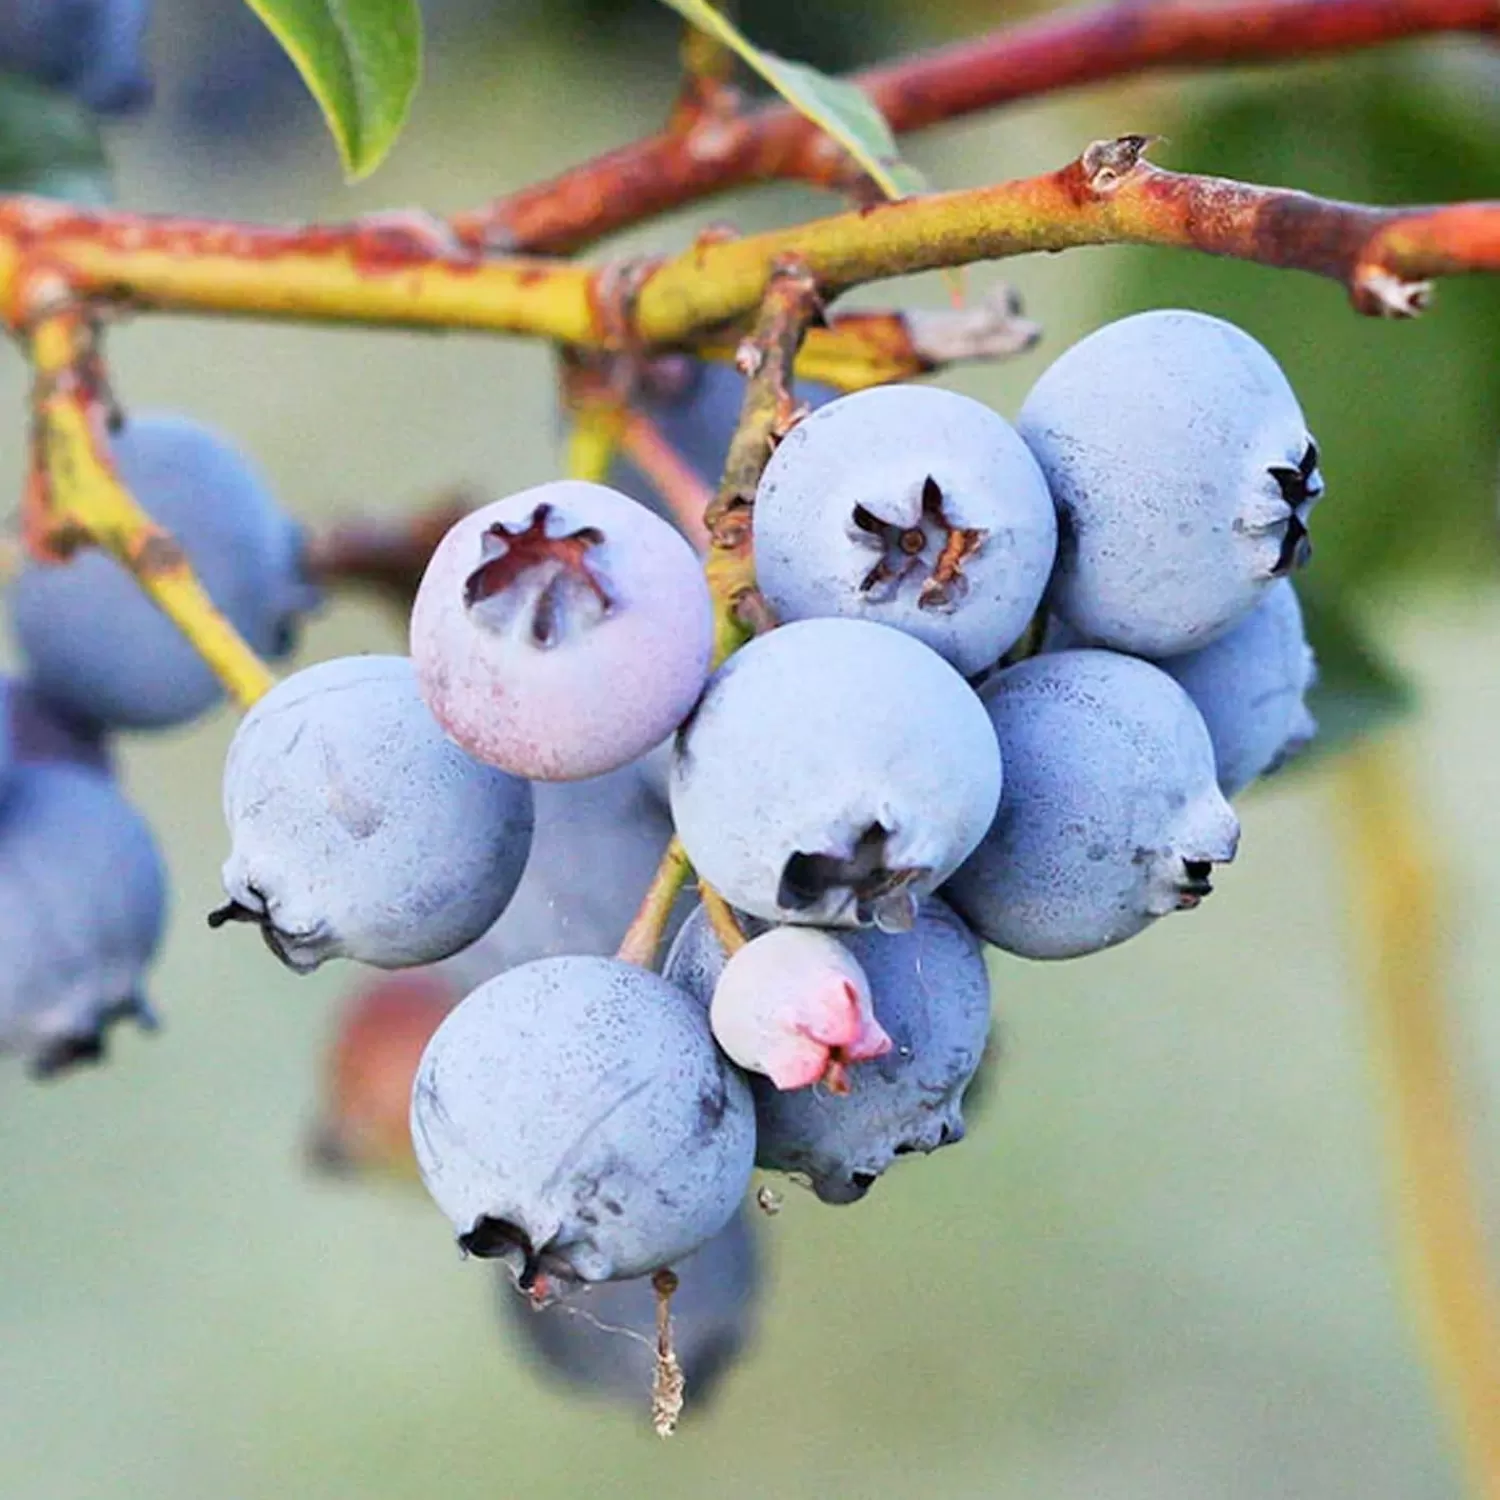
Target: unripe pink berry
column 561, row 632
column 794, row 1004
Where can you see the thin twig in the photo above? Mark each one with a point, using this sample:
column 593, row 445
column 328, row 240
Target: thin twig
column 789, row 304
column 667, row 1382
column 387, row 557
column 643, row 937
column 1399, row 902
column 75, row 498
column 722, row 919
column 1035, row 57
column 681, row 487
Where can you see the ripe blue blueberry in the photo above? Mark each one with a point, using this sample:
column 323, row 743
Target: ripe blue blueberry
column 594, row 849
column 1183, row 473
column 573, row 1117
column 8, row 753
column 358, row 829
column 99, row 649
column 1251, row 688
column 562, row 632
column 930, row 993
column 1112, row 814
column 82, row 907
column 600, row 1340
column 913, row 507
column 90, row 48
column 34, row 729
column 835, row 772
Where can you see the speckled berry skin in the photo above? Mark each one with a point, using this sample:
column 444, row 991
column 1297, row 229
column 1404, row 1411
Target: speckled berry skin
column 1112, row 814
column 98, row 648
column 562, row 632
column 713, row 1320
column 913, row 507
column 835, row 772
column 574, row 1117
column 930, row 992
column 358, row 829
column 1251, row 687
column 1183, row 474
column 82, row 908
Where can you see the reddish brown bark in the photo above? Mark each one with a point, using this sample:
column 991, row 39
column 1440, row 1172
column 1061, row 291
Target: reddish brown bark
column 716, row 152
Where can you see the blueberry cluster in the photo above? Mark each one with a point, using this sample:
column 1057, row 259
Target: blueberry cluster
column 82, row 887
column 1018, row 674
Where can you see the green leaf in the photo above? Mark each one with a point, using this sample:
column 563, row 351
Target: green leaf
column 834, row 105
column 1359, row 691
column 362, row 60
column 50, row 144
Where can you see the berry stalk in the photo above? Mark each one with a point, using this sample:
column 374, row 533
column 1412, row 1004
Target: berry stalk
column 74, row 497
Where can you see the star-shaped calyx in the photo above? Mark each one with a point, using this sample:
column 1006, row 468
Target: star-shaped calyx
column 903, row 550
column 551, row 578
column 881, row 894
column 1300, row 488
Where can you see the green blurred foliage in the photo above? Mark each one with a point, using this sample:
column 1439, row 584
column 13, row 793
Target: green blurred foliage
column 49, row 144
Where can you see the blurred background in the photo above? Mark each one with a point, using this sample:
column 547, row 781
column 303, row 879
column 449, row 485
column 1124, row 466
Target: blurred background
column 1164, row 1262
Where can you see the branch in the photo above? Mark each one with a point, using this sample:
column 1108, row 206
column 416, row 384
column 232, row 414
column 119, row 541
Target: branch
column 1110, row 195
column 789, row 303
column 643, row 936
column 74, row 496
column 387, row 557
column 1053, row 52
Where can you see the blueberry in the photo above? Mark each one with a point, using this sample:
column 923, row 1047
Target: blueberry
column 9, row 754
column 594, row 848
column 90, row 48
column 358, row 829
column 600, row 1339
column 1250, row 686
column 930, row 993
column 835, row 772
column 573, row 1117
column 562, row 632
column 794, row 1006
column 1112, row 814
column 1183, row 474
column 913, row 507
column 34, row 729
column 99, row 649
column 82, row 907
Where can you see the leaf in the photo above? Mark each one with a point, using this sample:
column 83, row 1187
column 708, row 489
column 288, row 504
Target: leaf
column 834, row 105
column 50, row 145
column 1359, row 691
column 361, row 59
